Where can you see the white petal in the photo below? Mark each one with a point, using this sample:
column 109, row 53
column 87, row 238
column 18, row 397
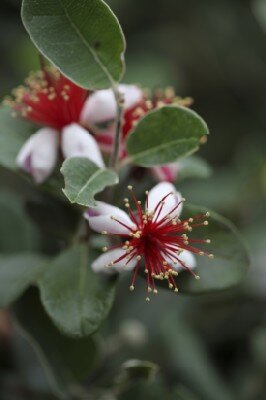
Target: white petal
column 166, row 172
column 38, row 156
column 132, row 94
column 99, row 265
column 188, row 259
column 100, row 219
column 158, row 192
column 101, row 105
column 77, row 142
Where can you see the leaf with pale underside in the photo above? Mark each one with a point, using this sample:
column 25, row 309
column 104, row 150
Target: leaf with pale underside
column 82, row 38
column 165, row 135
column 76, row 298
column 83, row 180
column 231, row 260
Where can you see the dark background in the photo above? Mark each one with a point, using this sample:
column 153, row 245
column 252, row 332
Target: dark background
column 214, row 51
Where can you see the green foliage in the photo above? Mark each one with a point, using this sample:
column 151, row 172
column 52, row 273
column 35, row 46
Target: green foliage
column 66, row 361
column 187, row 357
column 83, row 39
column 13, row 134
column 17, row 272
column 230, row 263
column 165, row 135
column 17, row 233
column 193, row 167
column 77, row 299
column 83, row 180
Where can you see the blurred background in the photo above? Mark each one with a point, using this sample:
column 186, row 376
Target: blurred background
column 208, row 347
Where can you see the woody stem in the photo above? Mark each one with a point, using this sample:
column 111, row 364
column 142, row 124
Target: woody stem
column 114, row 159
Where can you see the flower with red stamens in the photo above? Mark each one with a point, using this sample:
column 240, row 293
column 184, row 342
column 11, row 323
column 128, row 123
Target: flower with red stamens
column 152, row 237
column 100, row 109
column 53, row 102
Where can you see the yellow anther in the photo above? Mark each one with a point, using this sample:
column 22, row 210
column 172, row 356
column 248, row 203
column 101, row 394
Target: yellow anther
column 208, row 241
column 104, row 232
column 147, row 299
column 138, row 258
column 149, row 289
column 176, row 290
column 130, row 187
column 205, row 223
column 131, row 288
column 171, row 286
column 155, row 291
column 197, row 277
column 211, row 256
column 104, row 248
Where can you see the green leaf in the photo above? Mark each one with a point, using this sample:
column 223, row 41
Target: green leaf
column 83, row 180
column 231, row 260
column 165, row 135
column 17, row 234
column 77, row 299
column 84, row 40
column 13, row 134
column 66, row 361
column 259, row 10
column 17, row 272
column 193, row 167
column 187, row 358
column 137, row 369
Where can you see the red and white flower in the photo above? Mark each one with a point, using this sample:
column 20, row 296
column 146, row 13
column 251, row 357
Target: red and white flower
column 100, row 108
column 55, row 103
column 152, row 237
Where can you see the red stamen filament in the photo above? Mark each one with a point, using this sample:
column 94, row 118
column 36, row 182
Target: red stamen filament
column 158, row 241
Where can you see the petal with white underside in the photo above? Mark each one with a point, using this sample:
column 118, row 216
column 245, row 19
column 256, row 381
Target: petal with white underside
column 187, row 258
column 101, row 105
column 100, row 220
column 78, row 142
column 38, row 155
column 158, row 192
column 100, row 264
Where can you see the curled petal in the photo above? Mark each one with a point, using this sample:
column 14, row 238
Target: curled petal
column 105, row 217
column 38, row 155
column 166, row 172
column 158, row 192
column 101, row 105
column 77, row 142
column 102, row 263
column 187, row 258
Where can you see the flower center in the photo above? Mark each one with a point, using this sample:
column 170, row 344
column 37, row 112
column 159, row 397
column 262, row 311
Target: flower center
column 158, row 240
column 48, row 99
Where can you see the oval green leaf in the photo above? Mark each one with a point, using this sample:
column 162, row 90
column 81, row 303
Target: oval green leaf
column 77, row 299
column 83, row 180
column 17, row 272
column 231, row 260
column 165, row 135
column 193, row 167
column 83, row 39
column 66, row 361
column 13, row 134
